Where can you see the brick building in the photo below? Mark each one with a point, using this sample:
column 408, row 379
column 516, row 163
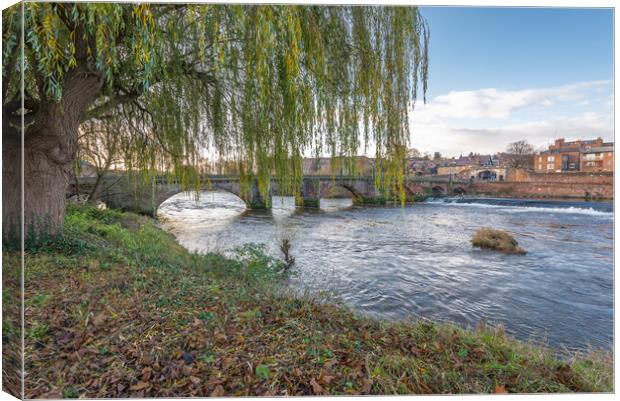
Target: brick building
column 598, row 159
column 421, row 166
column 464, row 163
column 580, row 155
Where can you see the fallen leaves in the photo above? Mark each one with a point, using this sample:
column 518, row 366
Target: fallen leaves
column 179, row 331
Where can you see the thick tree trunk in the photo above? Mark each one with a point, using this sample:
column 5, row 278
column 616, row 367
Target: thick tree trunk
column 50, row 145
column 45, row 185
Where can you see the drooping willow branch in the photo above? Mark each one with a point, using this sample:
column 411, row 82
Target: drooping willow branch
column 261, row 86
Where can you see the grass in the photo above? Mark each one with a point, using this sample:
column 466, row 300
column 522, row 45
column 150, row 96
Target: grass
column 116, row 308
column 498, row 240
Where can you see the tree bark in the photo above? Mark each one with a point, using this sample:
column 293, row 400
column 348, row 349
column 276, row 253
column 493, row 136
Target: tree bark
column 11, row 184
column 50, row 145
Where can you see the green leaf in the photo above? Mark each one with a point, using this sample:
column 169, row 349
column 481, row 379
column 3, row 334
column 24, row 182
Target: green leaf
column 262, row 372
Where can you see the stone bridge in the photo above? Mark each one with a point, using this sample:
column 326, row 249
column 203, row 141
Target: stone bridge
column 136, row 194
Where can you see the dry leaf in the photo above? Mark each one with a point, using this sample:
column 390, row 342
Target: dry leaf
column 500, row 389
column 316, row 387
column 218, row 392
column 186, row 370
column 326, row 379
column 139, row 386
column 147, row 373
column 99, row 319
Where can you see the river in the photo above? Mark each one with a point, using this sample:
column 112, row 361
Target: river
column 417, row 261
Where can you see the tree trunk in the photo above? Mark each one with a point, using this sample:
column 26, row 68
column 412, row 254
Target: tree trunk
column 50, row 145
column 94, row 195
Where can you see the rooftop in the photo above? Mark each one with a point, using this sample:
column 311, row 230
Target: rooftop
column 600, row 149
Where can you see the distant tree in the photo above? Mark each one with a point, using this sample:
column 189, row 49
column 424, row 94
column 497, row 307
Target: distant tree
column 437, row 156
column 107, row 142
column 99, row 146
column 521, row 154
column 413, row 152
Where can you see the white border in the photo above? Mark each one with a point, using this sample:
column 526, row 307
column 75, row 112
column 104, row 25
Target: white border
column 475, row 3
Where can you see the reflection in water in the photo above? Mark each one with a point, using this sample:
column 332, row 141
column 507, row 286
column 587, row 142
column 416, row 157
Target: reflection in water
column 417, row 261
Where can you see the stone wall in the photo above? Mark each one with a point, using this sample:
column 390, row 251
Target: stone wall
column 524, row 184
column 519, row 175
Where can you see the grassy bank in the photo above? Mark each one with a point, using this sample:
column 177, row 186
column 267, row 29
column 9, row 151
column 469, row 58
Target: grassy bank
column 117, row 308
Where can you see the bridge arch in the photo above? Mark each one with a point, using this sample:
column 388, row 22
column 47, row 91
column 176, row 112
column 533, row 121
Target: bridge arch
column 409, row 190
column 146, row 197
column 354, row 193
column 438, row 190
column 165, row 195
column 165, row 191
column 459, row 191
column 487, row 175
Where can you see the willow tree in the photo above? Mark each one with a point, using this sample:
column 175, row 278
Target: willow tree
column 260, row 85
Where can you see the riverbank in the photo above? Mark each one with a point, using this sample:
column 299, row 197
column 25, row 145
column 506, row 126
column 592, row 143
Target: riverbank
column 117, row 308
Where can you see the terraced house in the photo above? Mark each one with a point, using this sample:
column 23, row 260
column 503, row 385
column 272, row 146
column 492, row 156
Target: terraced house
column 592, row 155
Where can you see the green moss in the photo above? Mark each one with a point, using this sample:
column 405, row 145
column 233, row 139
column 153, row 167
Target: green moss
column 369, row 201
column 308, row 202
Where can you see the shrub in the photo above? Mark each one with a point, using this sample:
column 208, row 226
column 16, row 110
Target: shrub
column 498, row 240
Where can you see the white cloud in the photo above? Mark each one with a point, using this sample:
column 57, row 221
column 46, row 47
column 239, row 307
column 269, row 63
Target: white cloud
column 486, row 120
column 492, row 103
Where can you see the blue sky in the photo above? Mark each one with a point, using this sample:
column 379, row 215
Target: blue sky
column 503, row 74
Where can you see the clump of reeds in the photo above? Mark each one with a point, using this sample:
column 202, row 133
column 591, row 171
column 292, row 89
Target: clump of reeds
column 285, row 248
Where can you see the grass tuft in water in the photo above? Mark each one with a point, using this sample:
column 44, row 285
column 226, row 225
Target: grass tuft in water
column 488, row 238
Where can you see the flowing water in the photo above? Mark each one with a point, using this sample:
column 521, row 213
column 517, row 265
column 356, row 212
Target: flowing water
column 417, row 261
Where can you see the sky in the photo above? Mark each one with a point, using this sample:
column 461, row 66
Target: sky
column 498, row 75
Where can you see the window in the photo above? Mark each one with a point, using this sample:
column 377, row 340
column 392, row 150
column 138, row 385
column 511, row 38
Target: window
column 549, row 166
column 593, row 156
column 550, row 158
